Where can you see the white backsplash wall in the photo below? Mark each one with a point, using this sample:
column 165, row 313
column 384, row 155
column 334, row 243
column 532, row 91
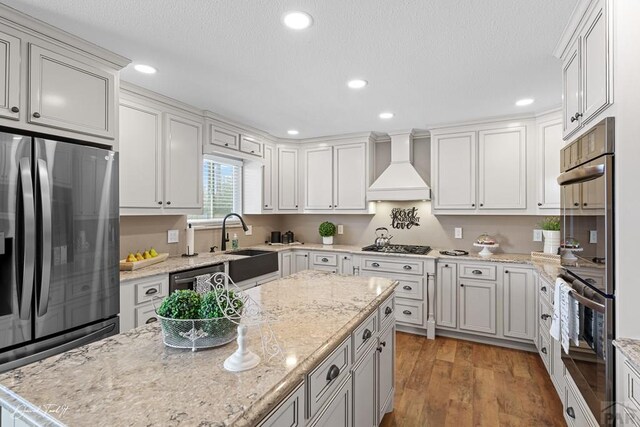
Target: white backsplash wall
column 514, row 233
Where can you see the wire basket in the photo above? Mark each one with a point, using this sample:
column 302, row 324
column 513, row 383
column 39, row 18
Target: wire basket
column 198, row 333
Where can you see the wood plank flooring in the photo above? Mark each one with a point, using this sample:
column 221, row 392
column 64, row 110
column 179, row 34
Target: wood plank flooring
column 450, row 382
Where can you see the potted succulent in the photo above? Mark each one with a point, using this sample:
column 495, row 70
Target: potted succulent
column 327, row 230
column 551, row 232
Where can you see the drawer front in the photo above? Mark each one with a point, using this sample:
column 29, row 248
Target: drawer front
column 364, row 335
column 225, row 138
column 632, row 393
column 324, row 380
column 328, row 268
column 153, row 288
column 411, row 288
column 546, row 291
column 145, row 315
column 386, row 313
column 250, row 146
column 409, row 312
column 324, row 259
column 393, row 265
column 477, row 271
column 544, row 347
column 545, row 316
column 573, row 412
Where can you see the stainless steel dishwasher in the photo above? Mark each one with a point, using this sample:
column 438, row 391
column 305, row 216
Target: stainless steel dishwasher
column 188, row 279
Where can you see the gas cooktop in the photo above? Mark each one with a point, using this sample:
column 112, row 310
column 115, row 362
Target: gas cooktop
column 399, row 249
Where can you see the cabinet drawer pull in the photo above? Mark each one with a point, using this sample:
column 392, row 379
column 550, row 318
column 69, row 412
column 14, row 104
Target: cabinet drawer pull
column 543, row 289
column 151, row 320
column 407, row 267
column 36, row 115
column 544, row 350
column 333, row 373
column 571, row 412
column 477, row 272
column 375, row 264
column 545, row 316
column 407, row 312
column 151, row 291
column 383, row 343
column 388, row 311
column 15, row 110
column 379, row 349
column 325, row 260
column 366, row 335
column 407, row 288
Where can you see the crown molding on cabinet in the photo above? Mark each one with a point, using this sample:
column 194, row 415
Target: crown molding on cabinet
column 572, row 28
column 139, row 91
column 485, row 121
column 37, row 28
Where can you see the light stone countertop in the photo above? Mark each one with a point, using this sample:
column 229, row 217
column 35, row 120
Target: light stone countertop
column 133, row 379
column 630, row 348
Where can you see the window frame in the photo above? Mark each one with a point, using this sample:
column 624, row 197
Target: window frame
column 200, row 223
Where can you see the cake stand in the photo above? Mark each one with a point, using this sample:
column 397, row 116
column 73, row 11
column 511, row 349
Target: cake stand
column 568, row 253
column 486, row 249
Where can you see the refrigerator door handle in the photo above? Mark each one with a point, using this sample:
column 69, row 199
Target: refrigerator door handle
column 29, row 246
column 45, row 198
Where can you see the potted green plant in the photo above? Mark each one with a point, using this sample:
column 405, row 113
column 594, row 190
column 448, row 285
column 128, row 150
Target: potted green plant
column 327, row 230
column 551, row 232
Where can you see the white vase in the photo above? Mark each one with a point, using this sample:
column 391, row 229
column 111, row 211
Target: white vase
column 327, row 240
column 551, row 241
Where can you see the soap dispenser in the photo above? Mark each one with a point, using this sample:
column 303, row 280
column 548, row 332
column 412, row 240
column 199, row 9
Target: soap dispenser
column 234, row 242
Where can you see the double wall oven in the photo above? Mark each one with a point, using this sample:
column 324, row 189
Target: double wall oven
column 587, row 230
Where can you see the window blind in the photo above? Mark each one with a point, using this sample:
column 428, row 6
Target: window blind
column 221, row 187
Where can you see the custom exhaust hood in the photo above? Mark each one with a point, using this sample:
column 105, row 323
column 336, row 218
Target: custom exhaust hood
column 400, row 181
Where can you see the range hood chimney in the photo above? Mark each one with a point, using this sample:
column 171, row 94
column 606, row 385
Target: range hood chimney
column 400, row 181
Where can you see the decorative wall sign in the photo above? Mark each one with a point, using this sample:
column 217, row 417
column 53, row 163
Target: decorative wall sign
column 404, row 218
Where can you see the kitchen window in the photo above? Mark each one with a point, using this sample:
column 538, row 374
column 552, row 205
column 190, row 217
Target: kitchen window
column 221, row 188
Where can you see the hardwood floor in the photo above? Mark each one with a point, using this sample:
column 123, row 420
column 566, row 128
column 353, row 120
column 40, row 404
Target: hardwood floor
column 450, row 382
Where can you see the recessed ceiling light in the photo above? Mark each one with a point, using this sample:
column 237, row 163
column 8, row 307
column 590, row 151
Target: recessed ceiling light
column 357, row 83
column 146, row 69
column 297, row 20
column 292, row 132
column 523, row 102
column 386, row 115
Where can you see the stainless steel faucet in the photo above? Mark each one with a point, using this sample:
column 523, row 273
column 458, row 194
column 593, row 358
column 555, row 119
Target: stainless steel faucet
column 225, row 235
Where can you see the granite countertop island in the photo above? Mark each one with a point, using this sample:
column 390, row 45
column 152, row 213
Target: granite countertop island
column 133, row 379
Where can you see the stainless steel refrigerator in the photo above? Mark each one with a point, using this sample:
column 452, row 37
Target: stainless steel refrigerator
column 59, row 247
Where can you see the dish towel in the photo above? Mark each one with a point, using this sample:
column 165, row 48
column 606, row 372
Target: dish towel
column 565, row 323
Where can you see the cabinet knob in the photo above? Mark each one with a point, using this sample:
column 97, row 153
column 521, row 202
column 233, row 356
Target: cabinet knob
column 330, row 206
column 573, row 119
column 407, row 312
column 473, row 205
column 543, row 289
column 36, row 115
column 576, row 204
column 15, row 110
column 379, row 349
column 481, row 204
column 446, row 265
column 407, row 287
column 407, row 267
column 544, row 350
column 168, row 203
column 325, row 259
column 375, row 264
column 296, row 206
column 388, row 311
column 539, row 204
column 383, row 343
column 226, row 144
column 585, row 204
column 265, row 206
column 545, row 316
column 571, row 412
column 305, row 255
column 252, row 152
column 160, row 202
column 578, row 115
column 335, row 206
column 462, row 285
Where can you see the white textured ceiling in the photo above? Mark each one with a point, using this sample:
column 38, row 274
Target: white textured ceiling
column 428, row 61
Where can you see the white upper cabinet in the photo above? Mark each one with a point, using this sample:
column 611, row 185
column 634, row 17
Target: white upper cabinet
column 318, row 164
column 587, row 70
column 250, row 145
column 287, row 179
column 183, row 163
column 222, row 137
column 68, row 94
column 336, row 177
column 502, row 168
column 9, row 76
column 267, row 178
column 571, row 90
column 454, row 171
column 550, row 143
column 350, row 177
column 140, row 156
column 160, row 158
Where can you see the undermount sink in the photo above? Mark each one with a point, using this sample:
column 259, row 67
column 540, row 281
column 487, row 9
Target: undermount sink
column 256, row 263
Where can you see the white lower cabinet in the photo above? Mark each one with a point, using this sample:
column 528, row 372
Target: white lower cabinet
column 337, row 413
column 447, row 295
column 137, row 299
column 300, row 261
column 519, row 302
column 386, row 370
column 364, row 377
column 477, row 309
column 290, row 413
